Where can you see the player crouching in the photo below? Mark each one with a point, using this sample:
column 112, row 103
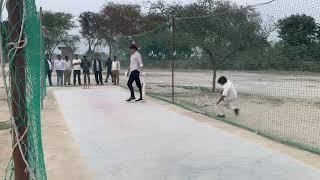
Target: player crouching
column 229, row 95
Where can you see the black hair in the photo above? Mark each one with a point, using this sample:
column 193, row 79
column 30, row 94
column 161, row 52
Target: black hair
column 133, row 46
column 222, row 80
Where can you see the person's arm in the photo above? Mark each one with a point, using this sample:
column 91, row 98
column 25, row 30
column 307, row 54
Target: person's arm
column 118, row 65
column 223, row 95
column 76, row 63
column 140, row 62
column 221, row 99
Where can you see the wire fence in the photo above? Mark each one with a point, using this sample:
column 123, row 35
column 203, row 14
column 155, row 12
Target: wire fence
column 270, row 53
column 21, row 56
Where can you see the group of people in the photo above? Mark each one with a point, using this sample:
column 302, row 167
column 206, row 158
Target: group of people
column 65, row 67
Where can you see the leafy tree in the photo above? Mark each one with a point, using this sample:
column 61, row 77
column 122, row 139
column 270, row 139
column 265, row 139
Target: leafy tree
column 118, row 20
column 226, row 31
column 56, row 27
column 298, row 30
column 299, row 37
column 89, row 23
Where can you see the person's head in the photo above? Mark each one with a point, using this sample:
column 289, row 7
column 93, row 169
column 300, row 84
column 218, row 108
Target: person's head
column 47, row 55
column 66, row 58
column 76, row 56
column 84, row 58
column 59, row 57
column 97, row 56
column 115, row 58
column 133, row 48
column 222, row 80
column 109, row 59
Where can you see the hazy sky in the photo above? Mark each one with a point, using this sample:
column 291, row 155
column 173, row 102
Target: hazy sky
column 271, row 12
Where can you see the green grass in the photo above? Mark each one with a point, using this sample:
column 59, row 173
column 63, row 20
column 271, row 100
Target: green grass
column 4, row 125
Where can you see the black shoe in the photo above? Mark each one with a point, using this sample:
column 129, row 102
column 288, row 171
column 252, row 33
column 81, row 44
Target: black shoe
column 130, row 99
column 221, row 116
column 139, row 100
column 236, row 111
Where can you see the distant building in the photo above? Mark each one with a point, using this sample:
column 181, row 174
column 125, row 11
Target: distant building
column 66, row 51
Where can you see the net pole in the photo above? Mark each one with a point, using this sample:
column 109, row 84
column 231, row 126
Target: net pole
column 173, row 58
column 18, row 80
column 41, row 61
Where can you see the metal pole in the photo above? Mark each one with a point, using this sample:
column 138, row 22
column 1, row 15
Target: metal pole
column 41, row 61
column 173, row 57
column 18, row 83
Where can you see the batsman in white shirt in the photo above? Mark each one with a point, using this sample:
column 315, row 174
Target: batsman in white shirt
column 228, row 96
column 135, row 69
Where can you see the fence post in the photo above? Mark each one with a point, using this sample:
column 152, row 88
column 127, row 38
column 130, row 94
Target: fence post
column 173, row 58
column 41, row 60
column 18, row 86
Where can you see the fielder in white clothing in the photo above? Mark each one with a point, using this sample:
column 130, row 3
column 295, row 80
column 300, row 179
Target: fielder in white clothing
column 228, row 96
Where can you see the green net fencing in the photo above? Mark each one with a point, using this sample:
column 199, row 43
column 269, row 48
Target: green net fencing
column 24, row 79
column 269, row 51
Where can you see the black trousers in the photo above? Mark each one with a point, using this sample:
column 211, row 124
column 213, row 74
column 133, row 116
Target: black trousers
column 86, row 77
column 75, row 74
column 108, row 75
column 49, row 75
column 98, row 76
column 134, row 76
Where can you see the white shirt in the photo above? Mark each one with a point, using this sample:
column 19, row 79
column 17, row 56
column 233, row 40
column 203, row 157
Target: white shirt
column 76, row 67
column 136, row 61
column 115, row 66
column 68, row 65
column 229, row 91
column 59, row 65
column 50, row 65
column 97, row 65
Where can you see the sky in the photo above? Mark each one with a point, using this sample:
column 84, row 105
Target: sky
column 271, row 12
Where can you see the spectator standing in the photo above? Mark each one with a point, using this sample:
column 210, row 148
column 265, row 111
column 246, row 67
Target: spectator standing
column 59, row 67
column 76, row 70
column 85, row 64
column 115, row 70
column 49, row 68
column 97, row 69
column 109, row 67
column 67, row 71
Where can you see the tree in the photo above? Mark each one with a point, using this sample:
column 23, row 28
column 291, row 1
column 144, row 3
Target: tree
column 71, row 41
column 119, row 20
column 56, row 26
column 299, row 37
column 89, row 23
column 225, row 31
column 298, row 30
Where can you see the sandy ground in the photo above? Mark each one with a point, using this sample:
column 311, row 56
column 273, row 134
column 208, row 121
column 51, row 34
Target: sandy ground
column 62, row 155
column 284, row 105
column 5, row 138
column 166, row 142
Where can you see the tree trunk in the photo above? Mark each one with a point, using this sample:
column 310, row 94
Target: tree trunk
column 110, row 50
column 90, row 47
column 214, row 68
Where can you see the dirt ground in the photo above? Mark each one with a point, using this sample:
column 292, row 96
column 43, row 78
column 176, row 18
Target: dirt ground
column 5, row 138
column 62, row 154
column 284, row 105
